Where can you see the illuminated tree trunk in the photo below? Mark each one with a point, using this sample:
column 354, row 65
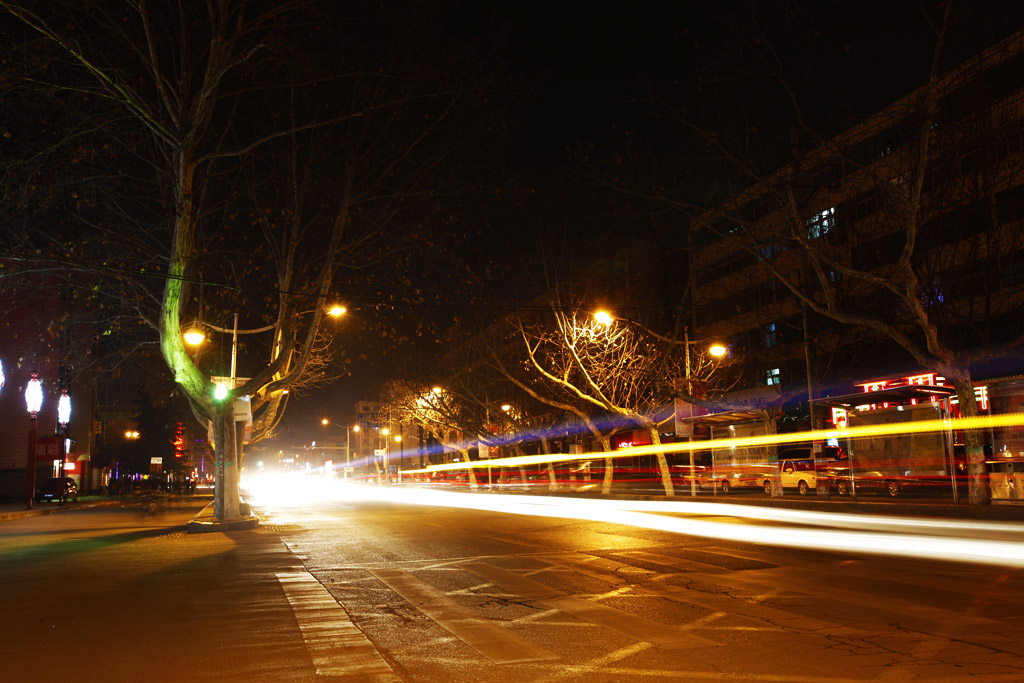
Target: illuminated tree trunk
column 552, row 478
column 666, row 475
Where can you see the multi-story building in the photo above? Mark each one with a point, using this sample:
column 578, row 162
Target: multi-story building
column 925, row 197
column 835, row 223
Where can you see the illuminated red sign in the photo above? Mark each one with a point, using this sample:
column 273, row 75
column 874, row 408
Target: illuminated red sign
column 929, row 379
column 640, row 437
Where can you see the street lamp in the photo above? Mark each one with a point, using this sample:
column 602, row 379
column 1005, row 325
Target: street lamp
column 387, row 475
column 63, row 417
column 34, row 401
column 348, row 442
column 718, row 350
column 195, row 336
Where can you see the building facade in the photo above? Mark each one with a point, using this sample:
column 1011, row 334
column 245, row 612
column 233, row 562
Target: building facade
column 902, row 233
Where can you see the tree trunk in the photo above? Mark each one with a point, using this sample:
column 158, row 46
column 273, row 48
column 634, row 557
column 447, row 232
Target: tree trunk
column 552, row 478
column 473, row 484
column 775, row 476
column 979, row 492
column 609, row 467
column 666, row 475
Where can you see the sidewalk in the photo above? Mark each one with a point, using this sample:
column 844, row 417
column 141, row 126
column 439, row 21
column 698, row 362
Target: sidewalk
column 123, row 593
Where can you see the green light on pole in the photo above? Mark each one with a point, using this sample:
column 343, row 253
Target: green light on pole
column 220, row 392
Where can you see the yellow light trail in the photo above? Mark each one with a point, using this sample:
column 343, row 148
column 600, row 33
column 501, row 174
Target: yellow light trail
column 909, row 427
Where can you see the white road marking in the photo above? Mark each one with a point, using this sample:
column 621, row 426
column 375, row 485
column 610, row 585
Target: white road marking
column 573, row 671
column 335, row 645
column 498, row 644
column 645, row 630
column 749, row 607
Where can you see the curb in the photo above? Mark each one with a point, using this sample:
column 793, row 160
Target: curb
column 205, row 522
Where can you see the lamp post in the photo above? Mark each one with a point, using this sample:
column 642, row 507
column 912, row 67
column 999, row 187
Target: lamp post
column 34, row 401
column 195, row 336
column 63, row 416
column 717, row 350
column 348, row 442
column 355, row 429
column 385, row 432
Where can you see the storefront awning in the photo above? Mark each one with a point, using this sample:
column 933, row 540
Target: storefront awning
column 728, row 417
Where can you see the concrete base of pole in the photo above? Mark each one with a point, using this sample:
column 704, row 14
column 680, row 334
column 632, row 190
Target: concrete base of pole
column 206, row 522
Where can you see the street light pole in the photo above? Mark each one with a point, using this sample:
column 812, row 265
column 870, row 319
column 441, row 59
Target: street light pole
column 689, row 439
column 63, row 416
column 33, row 401
column 355, row 429
column 234, row 350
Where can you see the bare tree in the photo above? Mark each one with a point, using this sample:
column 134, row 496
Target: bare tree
column 207, row 106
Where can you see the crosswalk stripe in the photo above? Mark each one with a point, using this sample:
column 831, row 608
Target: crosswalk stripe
column 335, row 645
column 631, row 625
column 498, row 644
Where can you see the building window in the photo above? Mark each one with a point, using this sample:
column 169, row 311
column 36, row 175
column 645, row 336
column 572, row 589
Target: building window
column 771, row 337
column 774, row 377
column 821, row 224
column 770, row 251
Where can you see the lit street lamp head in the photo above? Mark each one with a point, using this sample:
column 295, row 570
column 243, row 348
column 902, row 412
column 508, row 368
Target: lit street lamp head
column 34, row 394
column 717, row 350
column 194, row 336
column 603, row 318
column 336, row 311
column 64, row 408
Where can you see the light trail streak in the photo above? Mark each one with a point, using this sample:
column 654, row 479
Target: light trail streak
column 917, row 538
column 860, row 431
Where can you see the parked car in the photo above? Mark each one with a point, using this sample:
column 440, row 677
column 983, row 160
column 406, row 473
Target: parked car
column 794, row 474
column 49, row 490
column 703, row 478
column 864, row 481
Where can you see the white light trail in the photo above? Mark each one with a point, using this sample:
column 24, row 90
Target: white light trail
column 950, row 540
